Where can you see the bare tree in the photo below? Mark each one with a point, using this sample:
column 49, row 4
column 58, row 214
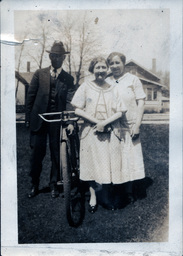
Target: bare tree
column 87, row 47
column 42, row 34
column 166, row 81
column 64, row 29
column 18, row 68
column 68, row 39
column 80, row 40
column 39, row 30
column 19, row 59
column 78, row 32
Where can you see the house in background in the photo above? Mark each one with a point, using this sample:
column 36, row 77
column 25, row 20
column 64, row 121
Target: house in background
column 24, row 79
column 155, row 102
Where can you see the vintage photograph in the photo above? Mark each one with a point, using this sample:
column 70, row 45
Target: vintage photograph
column 91, row 131
column 100, row 173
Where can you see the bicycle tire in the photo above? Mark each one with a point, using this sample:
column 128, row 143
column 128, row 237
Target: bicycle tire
column 74, row 206
column 66, row 175
column 78, row 201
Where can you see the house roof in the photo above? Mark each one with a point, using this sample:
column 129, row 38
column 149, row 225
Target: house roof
column 154, row 76
column 27, row 76
column 152, row 82
column 24, row 77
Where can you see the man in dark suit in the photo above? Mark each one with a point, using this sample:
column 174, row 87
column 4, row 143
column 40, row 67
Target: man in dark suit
column 50, row 90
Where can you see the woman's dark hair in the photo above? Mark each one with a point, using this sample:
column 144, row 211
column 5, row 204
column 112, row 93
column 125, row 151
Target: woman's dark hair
column 95, row 61
column 120, row 55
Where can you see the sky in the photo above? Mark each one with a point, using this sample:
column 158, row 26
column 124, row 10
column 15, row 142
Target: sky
column 141, row 34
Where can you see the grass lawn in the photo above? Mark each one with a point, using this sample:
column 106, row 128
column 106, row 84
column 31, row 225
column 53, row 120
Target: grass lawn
column 42, row 219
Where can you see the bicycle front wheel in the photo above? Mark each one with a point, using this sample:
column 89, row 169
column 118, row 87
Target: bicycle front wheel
column 73, row 202
column 66, row 175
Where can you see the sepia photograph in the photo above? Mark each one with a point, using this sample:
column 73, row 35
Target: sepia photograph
column 92, row 124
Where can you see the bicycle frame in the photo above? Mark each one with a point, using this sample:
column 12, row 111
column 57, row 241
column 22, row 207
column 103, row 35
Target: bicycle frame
column 68, row 165
column 65, row 116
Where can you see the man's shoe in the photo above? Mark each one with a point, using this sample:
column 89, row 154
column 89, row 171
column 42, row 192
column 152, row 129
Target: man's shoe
column 54, row 192
column 33, row 192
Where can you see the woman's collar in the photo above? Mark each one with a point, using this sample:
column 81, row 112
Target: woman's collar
column 120, row 78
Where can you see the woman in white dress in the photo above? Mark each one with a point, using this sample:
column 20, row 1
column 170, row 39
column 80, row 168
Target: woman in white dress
column 98, row 104
column 132, row 94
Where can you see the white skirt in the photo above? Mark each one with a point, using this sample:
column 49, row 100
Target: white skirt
column 132, row 158
column 100, row 157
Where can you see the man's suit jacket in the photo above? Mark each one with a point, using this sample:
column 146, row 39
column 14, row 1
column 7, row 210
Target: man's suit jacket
column 39, row 93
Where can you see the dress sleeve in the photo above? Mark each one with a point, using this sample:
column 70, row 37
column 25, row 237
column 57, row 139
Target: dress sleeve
column 79, row 99
column 138, row 89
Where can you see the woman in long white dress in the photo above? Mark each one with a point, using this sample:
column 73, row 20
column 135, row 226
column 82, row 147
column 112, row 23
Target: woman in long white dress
column 132, row 94
column 98, row 104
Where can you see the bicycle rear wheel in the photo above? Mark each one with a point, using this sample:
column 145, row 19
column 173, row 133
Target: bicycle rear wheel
column 73, row 198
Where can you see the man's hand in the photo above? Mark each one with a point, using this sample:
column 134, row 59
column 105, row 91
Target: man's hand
column 70, row 129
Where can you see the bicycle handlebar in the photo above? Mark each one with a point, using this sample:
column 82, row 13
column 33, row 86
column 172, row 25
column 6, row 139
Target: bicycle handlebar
column 63, row 116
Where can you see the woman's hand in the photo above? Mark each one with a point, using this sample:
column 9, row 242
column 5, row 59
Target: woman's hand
column 100, row 126
column 140, row 111
column 135, row 132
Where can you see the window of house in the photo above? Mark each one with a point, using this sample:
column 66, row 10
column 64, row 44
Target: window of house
column 155, row 95
column 149, row 94
column 152, row 94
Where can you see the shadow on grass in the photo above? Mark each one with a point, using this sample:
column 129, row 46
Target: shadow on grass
column 114, row 197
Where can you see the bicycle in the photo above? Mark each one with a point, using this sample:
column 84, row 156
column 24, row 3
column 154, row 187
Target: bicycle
column 69, row 166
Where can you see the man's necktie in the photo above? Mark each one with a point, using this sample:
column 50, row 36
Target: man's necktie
column 53, row 89
column 54, row 73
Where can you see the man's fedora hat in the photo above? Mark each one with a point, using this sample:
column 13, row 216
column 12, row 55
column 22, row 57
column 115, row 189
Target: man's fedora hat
column 58, row 48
